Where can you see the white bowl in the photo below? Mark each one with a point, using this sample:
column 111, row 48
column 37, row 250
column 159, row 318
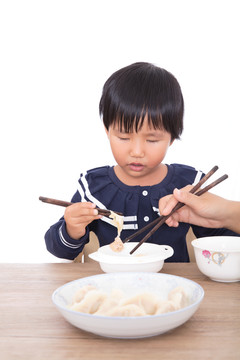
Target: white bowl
column 218, row 257
column 131, row 284
column 148, row 257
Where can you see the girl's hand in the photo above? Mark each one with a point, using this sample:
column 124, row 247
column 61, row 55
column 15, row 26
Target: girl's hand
column 78, row 216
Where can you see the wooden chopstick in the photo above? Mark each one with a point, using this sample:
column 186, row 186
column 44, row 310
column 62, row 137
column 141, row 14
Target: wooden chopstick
column 55, row 201
column 104, row 212
column 162, row 219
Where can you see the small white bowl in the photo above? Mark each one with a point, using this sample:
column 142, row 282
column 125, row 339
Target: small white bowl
column 131, row 284
column 218, row 257
column 148, row 257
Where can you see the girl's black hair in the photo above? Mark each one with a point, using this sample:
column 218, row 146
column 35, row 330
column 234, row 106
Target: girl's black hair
column 143, row 89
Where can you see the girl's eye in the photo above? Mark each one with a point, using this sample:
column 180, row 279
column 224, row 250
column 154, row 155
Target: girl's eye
column 152, row 141
column 123, row 139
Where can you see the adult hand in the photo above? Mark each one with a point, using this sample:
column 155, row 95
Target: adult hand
column 207, row 210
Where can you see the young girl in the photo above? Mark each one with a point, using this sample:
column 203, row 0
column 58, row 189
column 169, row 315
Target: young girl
column 142, row 109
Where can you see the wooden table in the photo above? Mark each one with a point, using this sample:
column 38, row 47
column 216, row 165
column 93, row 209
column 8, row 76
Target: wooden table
column 32, row 328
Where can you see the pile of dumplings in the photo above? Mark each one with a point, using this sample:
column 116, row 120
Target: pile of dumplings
column 90, row 300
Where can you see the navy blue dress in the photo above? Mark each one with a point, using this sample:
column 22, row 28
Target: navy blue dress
column 139, row 205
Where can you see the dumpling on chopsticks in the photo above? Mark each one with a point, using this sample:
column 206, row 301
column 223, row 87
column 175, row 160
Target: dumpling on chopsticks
column 117, row 245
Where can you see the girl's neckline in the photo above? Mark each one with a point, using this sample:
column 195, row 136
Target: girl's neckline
column 134, row 188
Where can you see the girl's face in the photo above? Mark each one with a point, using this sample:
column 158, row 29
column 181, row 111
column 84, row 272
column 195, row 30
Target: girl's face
column 139, row 155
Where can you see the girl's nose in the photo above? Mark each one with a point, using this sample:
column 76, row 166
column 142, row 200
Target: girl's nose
column 137, row 150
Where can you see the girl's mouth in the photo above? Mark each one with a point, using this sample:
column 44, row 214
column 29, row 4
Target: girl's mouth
column 136, row 167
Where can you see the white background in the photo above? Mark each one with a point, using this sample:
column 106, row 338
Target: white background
column 55, row 58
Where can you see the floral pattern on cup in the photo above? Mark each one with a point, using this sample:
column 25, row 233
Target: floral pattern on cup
column 215, row 257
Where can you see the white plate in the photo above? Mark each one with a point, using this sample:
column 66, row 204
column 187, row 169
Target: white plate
column 131, row 284
column 148, row 257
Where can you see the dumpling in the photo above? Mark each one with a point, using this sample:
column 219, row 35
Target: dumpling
column 117, row 221
column 110, row 302
column 146, row 301
column 165, row 306
column 126, row 310
column 79, row 295
column 178, row 297
column 90, row 303
column 117, row 245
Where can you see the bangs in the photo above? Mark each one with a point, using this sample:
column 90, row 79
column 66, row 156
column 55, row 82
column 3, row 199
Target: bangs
column 129, row 123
